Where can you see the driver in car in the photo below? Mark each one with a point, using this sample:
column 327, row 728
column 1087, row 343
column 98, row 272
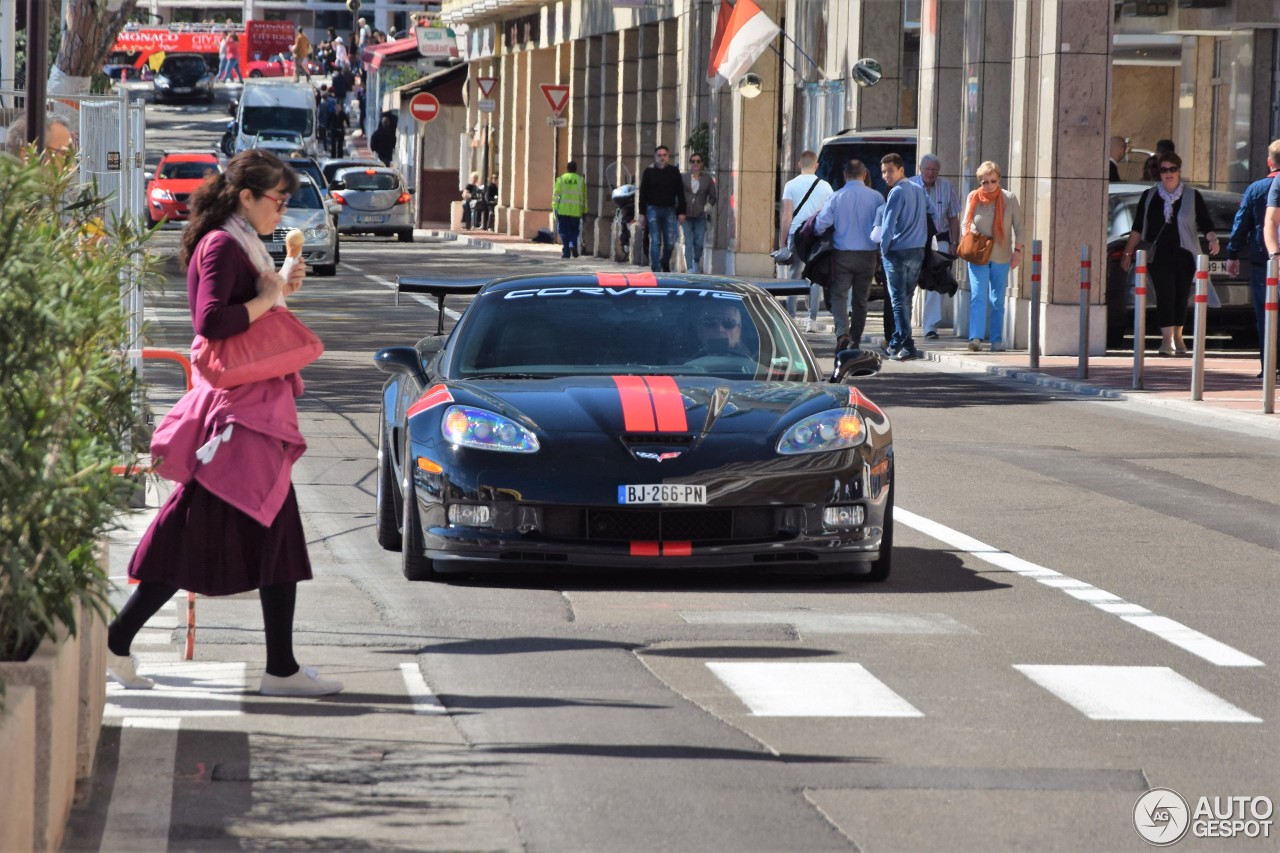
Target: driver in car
column 720, row 330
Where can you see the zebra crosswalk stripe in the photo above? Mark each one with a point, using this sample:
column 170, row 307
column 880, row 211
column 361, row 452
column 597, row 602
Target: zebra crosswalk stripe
column 1149, row 693
column 786, row 689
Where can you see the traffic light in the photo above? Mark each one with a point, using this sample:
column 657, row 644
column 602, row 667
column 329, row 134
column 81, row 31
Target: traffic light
column 353, row 6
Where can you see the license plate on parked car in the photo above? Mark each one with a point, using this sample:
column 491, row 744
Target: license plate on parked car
column 1218, row 268
column 370, row 220
column 662, row 493
column 182, row 90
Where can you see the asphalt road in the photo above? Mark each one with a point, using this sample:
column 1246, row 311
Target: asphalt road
column 1082, row 608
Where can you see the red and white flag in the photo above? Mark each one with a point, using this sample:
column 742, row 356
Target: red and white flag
column 743, row 32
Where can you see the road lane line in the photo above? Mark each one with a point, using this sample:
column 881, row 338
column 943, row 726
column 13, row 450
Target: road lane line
column 786, row 689
column 416, row 297
column 1148, row 693
column 1170, row 631
column 139, row 815
column 424, row 701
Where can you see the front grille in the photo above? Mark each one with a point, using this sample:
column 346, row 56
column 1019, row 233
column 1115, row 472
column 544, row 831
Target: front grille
column 700, row 526
column 181, row 197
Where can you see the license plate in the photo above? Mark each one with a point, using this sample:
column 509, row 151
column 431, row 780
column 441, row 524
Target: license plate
column 1217, row 268
column 182, row 90
column 371, row 220
column 662, row 493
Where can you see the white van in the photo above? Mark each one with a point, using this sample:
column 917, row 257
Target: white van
column 277, row 105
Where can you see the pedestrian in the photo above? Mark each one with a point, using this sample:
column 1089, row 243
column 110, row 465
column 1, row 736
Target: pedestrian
column 217, row 534
column 1119, row 148
column 325, row 105
column 383, row 141
column 363, row 33
column 58, row 136
column 852, row 212
column 472, row 202
column 1249, row 240
column 662, row 208
column 802, row 197
column 490, row 201
column 569, row 204
column 230, row 50
column 338, row 127
column 340, row 84
column 1171, row 251
column 946, row 222
column 996, row 213
column 341, row 59
column 1151, row 168
column 701, row 196
column 301, row 51
column 905, row 231
column 223, row 57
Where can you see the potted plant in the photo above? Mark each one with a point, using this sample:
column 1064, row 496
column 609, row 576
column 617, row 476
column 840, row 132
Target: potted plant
column 66, row 416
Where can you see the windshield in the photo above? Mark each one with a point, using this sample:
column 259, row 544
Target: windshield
column 1124, row 210
column 309, row 168
column 629, row 330
column 359, row 179
column 183, row 65
column 305, row 197
column 256, row 120
column 834, row 155
column 187, row 171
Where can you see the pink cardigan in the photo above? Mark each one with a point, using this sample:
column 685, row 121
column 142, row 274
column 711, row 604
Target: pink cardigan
column 249, row 468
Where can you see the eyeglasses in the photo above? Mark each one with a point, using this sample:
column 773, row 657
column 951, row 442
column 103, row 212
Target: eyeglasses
column 720, row 322
column 1169, row 170
column 281, row 203
column 695, row 159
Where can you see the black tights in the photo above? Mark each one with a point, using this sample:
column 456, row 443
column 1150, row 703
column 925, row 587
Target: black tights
column 277, row 620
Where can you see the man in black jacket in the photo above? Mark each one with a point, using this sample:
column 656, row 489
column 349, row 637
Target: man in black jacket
column 383, row 141
column 661, row 207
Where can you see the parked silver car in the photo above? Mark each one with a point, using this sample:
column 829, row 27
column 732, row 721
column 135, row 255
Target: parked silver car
column 372, row 200
column 306, row 212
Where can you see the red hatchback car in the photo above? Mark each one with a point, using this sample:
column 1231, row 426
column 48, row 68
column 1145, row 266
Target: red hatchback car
column 176, row 177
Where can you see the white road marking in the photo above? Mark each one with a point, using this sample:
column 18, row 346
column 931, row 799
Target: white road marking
column 139, row 814
column 817, row 622
column 1150, row 693
column 424, row 701
column 785, row 689
column 183, row 689
column 1166, row 629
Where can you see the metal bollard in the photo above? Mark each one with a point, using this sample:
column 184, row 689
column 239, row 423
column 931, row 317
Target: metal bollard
column 1269, row 332
column 1139, row 318
column 1082, row 371
column 1201, row 315
column 1033, row 333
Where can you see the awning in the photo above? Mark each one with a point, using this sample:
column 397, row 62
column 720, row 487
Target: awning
column 435, row 78
column 374, row 56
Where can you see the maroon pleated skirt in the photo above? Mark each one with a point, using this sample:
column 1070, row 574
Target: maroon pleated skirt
column 199, row 542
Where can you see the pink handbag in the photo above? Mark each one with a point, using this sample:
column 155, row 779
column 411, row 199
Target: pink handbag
column 273, row 346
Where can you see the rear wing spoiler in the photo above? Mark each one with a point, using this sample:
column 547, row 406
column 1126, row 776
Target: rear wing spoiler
column 439, row 288
column 779, row 286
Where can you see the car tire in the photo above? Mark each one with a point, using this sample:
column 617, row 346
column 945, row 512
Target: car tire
column 404, row 236
column 415, row 565
column 255, row 73
column 327, row 269
column 883, row 564
column 386, row 509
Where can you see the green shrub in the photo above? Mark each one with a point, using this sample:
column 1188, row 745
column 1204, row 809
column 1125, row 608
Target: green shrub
column 66, row 396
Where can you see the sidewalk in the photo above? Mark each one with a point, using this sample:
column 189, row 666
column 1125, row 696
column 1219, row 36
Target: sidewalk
column 1232, row 390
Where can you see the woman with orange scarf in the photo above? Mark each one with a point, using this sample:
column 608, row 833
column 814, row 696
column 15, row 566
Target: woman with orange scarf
column 995, row 213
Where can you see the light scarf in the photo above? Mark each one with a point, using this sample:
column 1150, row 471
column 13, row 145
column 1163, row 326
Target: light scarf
column 254, row 249
column 995, row 196
column 1169, row 198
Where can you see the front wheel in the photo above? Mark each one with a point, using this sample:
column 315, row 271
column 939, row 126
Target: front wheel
column 883, row 564
column 255, row 73
column 386, row 511
column 413, row 562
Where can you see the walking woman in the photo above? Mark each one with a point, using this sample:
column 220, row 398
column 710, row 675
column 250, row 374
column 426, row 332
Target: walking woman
column 233, row 525
column 995, row 213
column 1170, row 226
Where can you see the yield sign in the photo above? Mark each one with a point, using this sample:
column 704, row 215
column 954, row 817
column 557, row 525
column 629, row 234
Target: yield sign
column 486, row 84
column 424, row 106
column 557, row 95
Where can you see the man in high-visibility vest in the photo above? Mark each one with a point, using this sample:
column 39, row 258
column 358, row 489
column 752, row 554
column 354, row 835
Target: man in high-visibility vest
column 569, row 203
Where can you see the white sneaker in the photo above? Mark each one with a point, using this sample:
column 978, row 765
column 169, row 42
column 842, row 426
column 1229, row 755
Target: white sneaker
column 124, row 670
column 806, row 324
column 305, row 682
column 997, row 347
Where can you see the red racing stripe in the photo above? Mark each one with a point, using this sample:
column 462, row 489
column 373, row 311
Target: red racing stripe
column 677, row 549
column 611, row 279
column 433, row 396
column 667, row 403
column 642, row 279
column 637, row 410
column 642, row 548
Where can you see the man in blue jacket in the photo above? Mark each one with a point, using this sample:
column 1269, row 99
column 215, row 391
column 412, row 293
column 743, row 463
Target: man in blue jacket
column 1248, row 239
column 902, row 239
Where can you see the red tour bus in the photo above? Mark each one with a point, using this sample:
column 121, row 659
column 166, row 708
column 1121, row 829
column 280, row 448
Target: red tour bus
column 258, row 41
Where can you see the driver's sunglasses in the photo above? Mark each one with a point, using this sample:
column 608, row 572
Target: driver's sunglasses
column 281, row 203
column 721, row 322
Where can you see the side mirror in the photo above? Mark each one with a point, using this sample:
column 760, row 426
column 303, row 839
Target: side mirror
column 232, row 107
column 150, row 176
column 854, row 364
column 402, row 360
column 410, row 190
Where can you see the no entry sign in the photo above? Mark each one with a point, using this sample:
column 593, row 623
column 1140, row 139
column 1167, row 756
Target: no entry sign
column 424, row 106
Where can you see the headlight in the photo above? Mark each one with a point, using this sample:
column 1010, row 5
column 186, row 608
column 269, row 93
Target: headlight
column 162, row 82
column 837, row 429
column 161, row 195
column 321, row 233
column 467, row 427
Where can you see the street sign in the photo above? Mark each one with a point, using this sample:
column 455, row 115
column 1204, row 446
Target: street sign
column 435, row 42
column 486, row 105
column 557, row 121
column 557, row 95
column 486, row 84
column 424, row 106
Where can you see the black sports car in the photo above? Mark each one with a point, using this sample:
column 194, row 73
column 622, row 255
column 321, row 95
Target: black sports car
column 629, row 421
